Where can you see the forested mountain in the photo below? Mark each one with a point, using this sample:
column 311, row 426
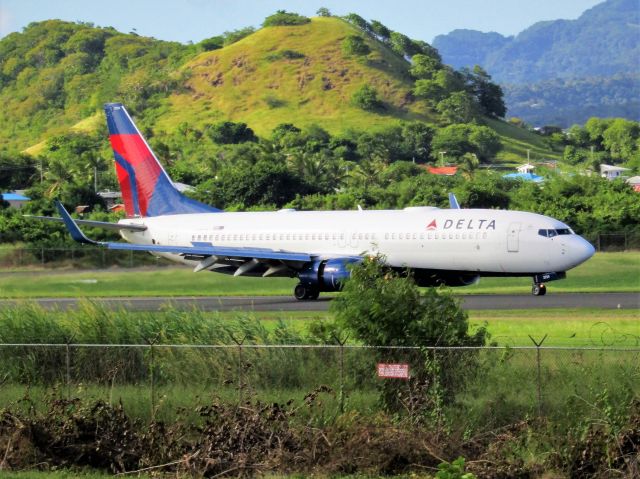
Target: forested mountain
column 573, row 55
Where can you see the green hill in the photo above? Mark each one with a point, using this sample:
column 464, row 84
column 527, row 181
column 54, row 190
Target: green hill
column 56, row 75
column 295, row 74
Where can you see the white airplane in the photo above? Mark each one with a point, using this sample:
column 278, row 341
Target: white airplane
column 452, row 246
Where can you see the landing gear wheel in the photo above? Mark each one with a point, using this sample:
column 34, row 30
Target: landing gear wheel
column 302, row 292
column 314, row 294
column 539, row 289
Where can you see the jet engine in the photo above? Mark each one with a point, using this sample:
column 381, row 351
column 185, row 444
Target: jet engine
column 325, row 275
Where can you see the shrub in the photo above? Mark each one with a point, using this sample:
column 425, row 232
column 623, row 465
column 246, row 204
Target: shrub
column 355, row 45
column 284, row 18
column 284, row 54
column 366, row 97
column 228, row 132
column 237, row 35
column 213, row 43
column 381, row 306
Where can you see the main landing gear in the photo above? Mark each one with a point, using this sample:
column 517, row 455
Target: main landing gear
column 304, row 291
column 538, row 289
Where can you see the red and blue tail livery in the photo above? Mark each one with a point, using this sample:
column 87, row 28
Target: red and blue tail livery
column 146, row 188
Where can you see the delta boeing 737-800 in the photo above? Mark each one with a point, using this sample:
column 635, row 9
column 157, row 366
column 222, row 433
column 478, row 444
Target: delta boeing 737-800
column 451, row 246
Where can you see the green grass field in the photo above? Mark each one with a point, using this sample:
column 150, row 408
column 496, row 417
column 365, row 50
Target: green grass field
column 605, row 272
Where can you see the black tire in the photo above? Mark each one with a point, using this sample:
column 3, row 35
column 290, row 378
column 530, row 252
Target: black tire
column 539, row 290
column 313, row 294
column 300, row 292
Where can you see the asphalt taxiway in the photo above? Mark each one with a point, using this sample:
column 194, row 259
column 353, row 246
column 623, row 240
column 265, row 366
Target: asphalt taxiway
column 288, row 303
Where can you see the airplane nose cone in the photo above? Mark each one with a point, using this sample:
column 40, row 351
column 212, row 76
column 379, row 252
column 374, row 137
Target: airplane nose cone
column 582, row 251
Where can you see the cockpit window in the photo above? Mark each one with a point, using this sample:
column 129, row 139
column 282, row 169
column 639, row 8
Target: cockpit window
column 550, row 233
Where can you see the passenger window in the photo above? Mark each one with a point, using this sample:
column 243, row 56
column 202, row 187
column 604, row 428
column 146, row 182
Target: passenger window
column 400, row 236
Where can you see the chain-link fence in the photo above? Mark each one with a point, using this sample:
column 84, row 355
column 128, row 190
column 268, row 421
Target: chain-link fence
column 474, row 387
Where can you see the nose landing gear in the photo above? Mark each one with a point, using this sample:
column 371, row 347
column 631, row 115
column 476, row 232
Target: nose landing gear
column 538, row 289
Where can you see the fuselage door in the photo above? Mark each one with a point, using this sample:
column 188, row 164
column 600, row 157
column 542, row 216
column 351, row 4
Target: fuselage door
column 513, row 236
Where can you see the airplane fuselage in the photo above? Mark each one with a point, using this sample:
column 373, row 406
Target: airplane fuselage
column 486, row 242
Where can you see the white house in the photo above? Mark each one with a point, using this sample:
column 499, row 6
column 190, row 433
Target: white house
column 634, row 181
column 611, row 172
column 526, row 168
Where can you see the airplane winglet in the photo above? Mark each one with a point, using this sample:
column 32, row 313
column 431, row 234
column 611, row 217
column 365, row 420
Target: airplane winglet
column 453, row 202
column 71, row 225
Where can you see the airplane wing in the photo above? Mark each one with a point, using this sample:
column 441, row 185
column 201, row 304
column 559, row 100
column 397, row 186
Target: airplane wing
column 94, row 224
column 243, row 260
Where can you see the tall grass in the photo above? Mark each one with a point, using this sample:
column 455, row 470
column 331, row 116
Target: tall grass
column 477, row 389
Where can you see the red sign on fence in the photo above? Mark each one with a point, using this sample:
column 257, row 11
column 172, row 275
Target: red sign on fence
column 400, row 371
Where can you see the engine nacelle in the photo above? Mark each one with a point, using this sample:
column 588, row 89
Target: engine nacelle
column 327, row 275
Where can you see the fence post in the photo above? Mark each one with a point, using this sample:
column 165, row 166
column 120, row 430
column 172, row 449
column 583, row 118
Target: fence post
column 341, row 342
column 67, row 363
column 152, row 370
column 240, row 342
column 538, row 344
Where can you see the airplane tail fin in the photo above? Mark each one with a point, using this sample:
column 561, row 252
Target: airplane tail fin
column 146, row 188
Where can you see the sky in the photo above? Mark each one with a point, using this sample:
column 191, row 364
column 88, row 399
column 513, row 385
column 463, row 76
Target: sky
column 194, row 20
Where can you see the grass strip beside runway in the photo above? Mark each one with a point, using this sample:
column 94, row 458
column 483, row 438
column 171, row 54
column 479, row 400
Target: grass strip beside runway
column 605, row 272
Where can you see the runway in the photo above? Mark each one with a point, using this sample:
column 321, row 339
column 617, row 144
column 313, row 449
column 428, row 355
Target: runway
column 288, row 303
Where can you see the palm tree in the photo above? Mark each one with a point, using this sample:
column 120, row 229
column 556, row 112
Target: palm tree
column 468, row 165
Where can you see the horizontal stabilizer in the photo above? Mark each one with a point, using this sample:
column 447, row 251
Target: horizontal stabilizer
column 94, row 224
